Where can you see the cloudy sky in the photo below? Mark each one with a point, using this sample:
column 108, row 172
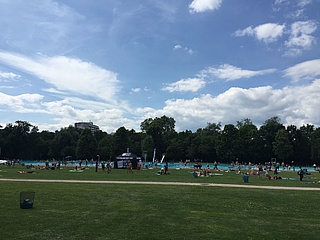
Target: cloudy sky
column 118, row 62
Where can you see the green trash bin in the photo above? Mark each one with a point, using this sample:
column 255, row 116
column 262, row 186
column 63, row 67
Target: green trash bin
column 27, row 199
column 246, row 178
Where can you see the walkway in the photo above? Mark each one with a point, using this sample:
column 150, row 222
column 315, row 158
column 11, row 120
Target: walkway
column 164, row 183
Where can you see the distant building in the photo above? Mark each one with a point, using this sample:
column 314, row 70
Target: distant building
column 87, row 125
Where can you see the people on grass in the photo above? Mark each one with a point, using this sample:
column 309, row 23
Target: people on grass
column 47, row 164
column 215, row 165
column 301, row 173
column 108, row 166
column 164, row 170
column 129, row 168
column 267, row 173
column 260, row 170
column 202, row 172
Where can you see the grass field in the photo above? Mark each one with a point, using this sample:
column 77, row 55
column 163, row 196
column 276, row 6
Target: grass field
column 129, row 211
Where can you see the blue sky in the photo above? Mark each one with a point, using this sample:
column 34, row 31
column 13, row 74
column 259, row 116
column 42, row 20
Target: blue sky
column 118, row 62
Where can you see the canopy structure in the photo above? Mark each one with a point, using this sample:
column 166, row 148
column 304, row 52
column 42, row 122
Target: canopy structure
column 3, row 161
column 122, row 161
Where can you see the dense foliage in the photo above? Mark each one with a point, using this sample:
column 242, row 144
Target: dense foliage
column 243, row 142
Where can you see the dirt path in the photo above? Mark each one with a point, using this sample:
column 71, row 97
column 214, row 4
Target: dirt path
column 164, row 183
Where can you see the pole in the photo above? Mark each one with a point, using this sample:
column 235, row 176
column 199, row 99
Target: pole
column 154, row 155
column 97, row 162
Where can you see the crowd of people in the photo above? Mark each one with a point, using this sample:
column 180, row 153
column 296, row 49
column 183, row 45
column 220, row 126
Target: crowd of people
column 268, row 170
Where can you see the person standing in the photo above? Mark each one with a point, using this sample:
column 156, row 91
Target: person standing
column 215, row 165
column 47, row 164
column 129, row 169
column 138, row 167
column 300, row 173
column 166, row 168
column 109, row 166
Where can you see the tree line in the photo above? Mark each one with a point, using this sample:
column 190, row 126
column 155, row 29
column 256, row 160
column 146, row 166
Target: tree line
column 243, row 142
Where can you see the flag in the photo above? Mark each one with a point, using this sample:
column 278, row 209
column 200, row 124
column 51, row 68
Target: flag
column 154, row 155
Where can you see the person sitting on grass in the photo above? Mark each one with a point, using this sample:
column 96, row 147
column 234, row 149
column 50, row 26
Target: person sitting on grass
column 204, row 172
column 267, row 174
column 161, row 171
column 276, row 177
column 195, row 173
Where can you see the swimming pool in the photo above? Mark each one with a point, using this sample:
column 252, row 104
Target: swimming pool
column 223, row 167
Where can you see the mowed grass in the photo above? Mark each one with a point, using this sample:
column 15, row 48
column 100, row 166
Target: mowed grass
column 183, row 175
column 129, row 211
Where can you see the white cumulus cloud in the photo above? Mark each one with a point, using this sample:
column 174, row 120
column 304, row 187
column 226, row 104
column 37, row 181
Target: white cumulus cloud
column 67, row 74
column 294, row 105
column 198, row 6
column 23, row 103
column 186, row 49
column 229, row 72
column 300, row 36
column 268, row 32
column 9, row 75
column 176, row 47
column 185, row 85
column 135, row 90
column 303, row 3
column 304, row 71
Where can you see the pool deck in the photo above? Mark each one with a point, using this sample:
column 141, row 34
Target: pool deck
column 164, row 183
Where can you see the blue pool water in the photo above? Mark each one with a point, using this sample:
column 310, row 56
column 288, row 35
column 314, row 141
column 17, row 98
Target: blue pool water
column 68, row 163
column 159, row 165
column 220, row 166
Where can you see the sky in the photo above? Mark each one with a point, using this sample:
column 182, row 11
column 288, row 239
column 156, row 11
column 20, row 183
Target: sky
column 119, row 62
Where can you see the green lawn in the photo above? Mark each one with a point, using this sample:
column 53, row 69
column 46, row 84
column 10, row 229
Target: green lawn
column 184, row 175
column 128, row 211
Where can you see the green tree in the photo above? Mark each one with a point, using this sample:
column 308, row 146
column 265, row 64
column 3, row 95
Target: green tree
column 315, row 146
column 99, row 135
column 147, row 147
column 7, row 149
column 185, row 139
column 301, row 144
column 174, row 151
column 282, row 145
column 106, row 147
column 40, row 146
column 64, row 143
column 206, row 139
column 43, row 145
column 244, row 122
column 121, row 140
column 87, row 145
column 16, row 143
column 135, row 139
column 161, row 130
column 227, row 144
column 249, row 141
column 268, row 133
